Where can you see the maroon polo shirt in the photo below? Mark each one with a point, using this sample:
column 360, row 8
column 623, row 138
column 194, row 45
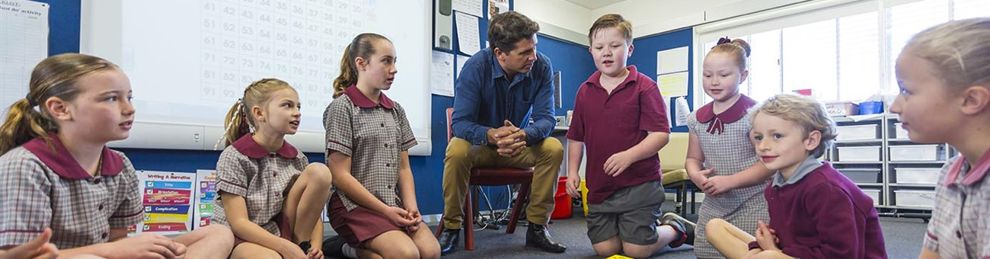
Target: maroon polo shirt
column 612, row 123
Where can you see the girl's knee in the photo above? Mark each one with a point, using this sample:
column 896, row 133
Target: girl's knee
column 715, row 224
column 218, row 232
column 401, row 251
column 318, row 173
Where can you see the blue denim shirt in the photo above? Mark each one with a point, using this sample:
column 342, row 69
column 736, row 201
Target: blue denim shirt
column 484, row 97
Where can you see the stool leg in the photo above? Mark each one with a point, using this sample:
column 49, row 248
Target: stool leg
column 468, row 221
column 517, row 208
column 682, row 196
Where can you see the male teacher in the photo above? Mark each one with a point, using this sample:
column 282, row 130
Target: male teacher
column 498, row 91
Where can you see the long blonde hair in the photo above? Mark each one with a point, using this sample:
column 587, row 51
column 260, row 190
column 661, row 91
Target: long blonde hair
column 238, row 121
column 55, row 76
column 959, row 49
column 361, row 46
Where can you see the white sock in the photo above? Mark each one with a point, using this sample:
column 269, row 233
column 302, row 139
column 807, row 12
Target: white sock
column 348, row 251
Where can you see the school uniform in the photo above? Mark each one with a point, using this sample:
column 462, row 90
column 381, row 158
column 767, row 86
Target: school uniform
column 373, row 135
column 958, row 227
column 262, row 178
column 819, row 213
column 724, row 140
column 626, row 205
column 43, row 186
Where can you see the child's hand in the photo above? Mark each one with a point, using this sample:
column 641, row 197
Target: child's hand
column 699, row 178
column 38, row 248
column 399, row 216
column 315, row 253
column 766, row 237
column 618, row 163
column 573, row 183
column 716, row 185
column 148, row 245
column 288, row 249
column 416, row 217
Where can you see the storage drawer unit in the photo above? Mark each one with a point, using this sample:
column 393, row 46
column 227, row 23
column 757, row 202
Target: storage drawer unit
column 858, row 154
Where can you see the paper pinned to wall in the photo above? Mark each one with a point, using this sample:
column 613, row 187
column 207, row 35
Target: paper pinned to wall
column 24, row 44
column 683, row 110
column 674, row 84
column 672, row 60
column 497, row 7
column 461, row 59
column 468, row 33
column 473, row 7
column 442, row 74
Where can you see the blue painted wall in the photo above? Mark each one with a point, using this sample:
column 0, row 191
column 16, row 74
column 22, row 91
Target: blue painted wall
column 645, row 58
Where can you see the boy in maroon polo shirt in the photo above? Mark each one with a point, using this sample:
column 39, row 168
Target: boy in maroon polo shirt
column 620, row 115
column 815, row 211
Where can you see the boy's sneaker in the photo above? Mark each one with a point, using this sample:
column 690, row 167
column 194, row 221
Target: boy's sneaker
column 682, row 226
column 333, row 247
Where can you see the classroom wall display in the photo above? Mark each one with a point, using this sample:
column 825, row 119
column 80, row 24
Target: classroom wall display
column 187, row 70
column 206, row 193
column 23, row 45
column 168, row 199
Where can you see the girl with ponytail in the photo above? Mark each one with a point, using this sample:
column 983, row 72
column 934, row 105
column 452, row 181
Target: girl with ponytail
column 270, row 195
column 58, row 173
column 373, row 206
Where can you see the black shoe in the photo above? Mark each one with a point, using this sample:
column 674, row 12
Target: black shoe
column 539, row 236
column 448, row 240
column 305, row 245
column 682, row 226
column 333, row 247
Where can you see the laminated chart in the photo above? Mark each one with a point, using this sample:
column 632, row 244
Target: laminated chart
column 167, row 197
column 206, row 193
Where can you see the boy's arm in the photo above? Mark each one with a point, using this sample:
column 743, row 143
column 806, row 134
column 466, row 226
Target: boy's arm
column 650, row 145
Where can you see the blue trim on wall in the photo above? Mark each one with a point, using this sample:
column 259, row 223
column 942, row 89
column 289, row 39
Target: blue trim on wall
column 645, row 58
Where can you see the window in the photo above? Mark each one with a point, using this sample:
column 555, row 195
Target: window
column 963, row 9
column 859, row 52
column 809, row 59
column 844, row 51
column 764, row 65
column 907, row 20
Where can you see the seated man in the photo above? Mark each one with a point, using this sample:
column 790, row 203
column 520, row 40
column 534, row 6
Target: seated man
column 499, row 88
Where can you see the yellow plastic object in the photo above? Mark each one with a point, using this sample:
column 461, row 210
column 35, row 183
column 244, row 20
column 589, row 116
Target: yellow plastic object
column 618, row 256
column 584, row 197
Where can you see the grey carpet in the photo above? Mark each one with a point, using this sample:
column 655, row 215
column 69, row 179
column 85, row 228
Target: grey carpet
column 901, row 235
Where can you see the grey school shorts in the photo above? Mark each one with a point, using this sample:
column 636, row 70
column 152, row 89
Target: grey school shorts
column 629, row 213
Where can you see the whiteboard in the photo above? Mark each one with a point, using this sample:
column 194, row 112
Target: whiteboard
column 189, row 60
column 23, row 43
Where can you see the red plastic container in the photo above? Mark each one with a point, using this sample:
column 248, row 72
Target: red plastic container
column 562, row 201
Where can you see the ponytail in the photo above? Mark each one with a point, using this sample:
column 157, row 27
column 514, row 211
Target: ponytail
column 23, row 124
column 348, row 73
column 235, row 124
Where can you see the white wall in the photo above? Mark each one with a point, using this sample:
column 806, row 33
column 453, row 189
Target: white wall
column 569, row 21
column 558, row 18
